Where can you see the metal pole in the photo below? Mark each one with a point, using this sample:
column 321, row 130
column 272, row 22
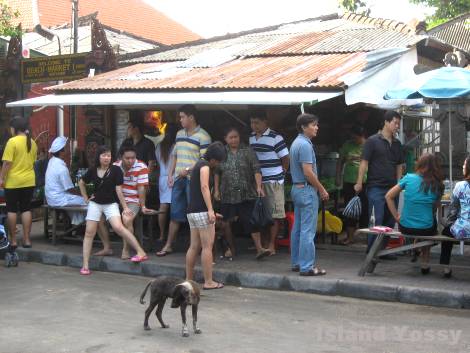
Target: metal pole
column 450, row 149
column 75, row 25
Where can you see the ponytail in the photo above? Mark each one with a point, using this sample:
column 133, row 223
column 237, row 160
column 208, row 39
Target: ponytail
column 28, row 140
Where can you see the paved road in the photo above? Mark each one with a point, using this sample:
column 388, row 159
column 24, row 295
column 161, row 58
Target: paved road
column 53, row 309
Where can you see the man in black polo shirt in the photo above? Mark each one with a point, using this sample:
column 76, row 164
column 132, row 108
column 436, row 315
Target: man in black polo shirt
column 144, row 147
column 382, row 160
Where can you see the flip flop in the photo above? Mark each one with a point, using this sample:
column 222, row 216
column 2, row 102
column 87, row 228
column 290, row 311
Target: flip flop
column 85, row 272
column 218, row 286
column 26, row 246
column 263, row 253
column 137, row 258
column 162, row 253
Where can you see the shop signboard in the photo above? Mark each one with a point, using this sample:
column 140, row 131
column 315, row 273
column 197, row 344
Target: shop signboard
column 54, row 68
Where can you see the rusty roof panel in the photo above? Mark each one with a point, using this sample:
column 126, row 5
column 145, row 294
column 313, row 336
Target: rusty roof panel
column 281, row 72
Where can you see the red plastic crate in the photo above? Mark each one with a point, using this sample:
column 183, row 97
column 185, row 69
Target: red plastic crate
column 395, row 242
column 290, row 225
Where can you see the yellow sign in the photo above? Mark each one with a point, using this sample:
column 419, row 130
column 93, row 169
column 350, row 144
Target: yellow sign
column 53, row 68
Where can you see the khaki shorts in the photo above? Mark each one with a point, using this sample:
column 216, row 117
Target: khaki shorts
column 275, row 199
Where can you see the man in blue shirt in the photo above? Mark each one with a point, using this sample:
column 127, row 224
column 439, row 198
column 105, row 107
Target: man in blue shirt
column 305, row 185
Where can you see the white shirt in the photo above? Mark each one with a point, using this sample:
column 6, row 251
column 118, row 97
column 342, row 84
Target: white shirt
column 58, row 181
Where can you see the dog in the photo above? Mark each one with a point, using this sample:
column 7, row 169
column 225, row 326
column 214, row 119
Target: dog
column 183, row 293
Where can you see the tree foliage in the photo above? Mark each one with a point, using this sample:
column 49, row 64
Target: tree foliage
column 7, row 14
column 445, row 9
column 356, row 6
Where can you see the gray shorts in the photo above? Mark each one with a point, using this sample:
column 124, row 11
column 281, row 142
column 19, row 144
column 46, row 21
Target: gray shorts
column 198, row 220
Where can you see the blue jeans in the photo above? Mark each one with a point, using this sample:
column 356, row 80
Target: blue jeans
column 383, row 217
column 179, row 200
column 305, row 225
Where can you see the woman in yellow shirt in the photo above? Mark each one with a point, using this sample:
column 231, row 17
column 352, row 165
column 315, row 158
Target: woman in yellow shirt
column 18, row 179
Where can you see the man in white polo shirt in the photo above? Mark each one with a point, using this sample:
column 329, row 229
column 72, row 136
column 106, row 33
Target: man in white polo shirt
column 273, row 157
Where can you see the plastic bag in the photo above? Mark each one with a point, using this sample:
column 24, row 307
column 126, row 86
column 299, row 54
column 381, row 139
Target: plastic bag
column 353, row 209
column 333, row 224
column 261, row 217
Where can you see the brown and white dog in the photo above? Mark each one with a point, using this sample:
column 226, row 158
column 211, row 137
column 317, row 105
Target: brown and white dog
column 182, row 292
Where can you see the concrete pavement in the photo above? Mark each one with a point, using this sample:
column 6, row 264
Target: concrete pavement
column 395, row 281
column 53, row 309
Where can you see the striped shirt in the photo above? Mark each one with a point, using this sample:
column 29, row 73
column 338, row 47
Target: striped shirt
column 190, row 148
column 137, row 176
column 270, row 147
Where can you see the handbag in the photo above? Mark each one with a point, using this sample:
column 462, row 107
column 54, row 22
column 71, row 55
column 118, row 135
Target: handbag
column 261, row 217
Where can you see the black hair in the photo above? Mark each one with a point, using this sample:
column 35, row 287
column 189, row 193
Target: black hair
column 127, row 147
column 57, row 154
column 136, row 119
column 189, row 109
column 20, row 124
column 230, row 129
column 357, row 130
column 259, row 114
column 390, row 114
column 216, row 150
column 99, row 151
column 304, row 119
column 169, row 140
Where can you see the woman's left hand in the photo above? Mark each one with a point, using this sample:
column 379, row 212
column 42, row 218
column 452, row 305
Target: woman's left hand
column 2, row 183
column 212, row 217
column 260, row 192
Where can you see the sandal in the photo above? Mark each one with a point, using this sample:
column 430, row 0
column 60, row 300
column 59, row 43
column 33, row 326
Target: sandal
column 316, row 271
column 137, row 258
column 219, row 285
column 85, row 272
column 263, row 253
column 162, row 253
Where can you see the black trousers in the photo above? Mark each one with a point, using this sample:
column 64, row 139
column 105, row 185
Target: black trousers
column 446, row 247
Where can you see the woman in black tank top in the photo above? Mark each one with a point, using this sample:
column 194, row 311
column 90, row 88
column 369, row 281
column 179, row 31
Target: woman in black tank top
column 201, row 215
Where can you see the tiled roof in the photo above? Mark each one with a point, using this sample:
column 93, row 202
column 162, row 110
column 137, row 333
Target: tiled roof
column 315, row 36
column 122, row 42
column 26, row 10
column 132, row 16
column 455, row 32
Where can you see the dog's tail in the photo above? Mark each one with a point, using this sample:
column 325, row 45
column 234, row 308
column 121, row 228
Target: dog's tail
column 142, row 296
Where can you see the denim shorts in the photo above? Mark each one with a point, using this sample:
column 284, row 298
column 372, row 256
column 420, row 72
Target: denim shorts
column 179, row 200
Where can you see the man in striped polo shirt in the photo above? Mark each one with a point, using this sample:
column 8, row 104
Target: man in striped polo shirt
column 134, row 188
column 273, row 157
column 191, row 144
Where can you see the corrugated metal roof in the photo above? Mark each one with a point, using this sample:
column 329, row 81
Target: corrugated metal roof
column 455, row 32
column 125, row 43
column 312, row 71
column 306, row 37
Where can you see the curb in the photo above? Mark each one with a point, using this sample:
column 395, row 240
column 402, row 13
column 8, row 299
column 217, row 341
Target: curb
column 322, row 286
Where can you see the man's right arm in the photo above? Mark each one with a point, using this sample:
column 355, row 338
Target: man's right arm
column 360, row 175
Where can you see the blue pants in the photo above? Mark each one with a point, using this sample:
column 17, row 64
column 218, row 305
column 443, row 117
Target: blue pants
column 179, row 200
column 383, row 217
column 305, row 225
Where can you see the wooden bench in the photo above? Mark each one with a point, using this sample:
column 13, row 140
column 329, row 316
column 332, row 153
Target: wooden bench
column 138, row 222
column 53, row 210
column 376, row 250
